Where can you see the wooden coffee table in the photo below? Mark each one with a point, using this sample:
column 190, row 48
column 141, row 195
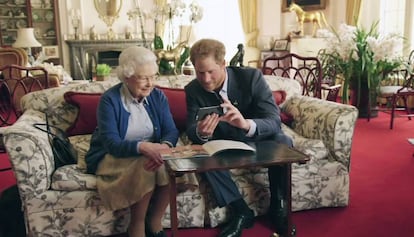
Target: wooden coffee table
column 268, row 153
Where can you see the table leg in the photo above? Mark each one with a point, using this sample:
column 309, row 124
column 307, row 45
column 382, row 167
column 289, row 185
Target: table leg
column 173, row 206
column 291, row 230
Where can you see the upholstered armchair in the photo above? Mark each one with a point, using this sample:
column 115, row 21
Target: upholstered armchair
column 16, row 80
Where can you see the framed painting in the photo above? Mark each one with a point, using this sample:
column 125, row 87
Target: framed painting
column 306, row 5
column 51, row 51
column 280, row 45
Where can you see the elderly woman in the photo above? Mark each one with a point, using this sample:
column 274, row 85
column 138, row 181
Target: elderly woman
column 134, row 123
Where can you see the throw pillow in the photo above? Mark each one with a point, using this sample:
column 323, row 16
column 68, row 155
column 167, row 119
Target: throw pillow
column 81, row 143
column 280, row 97
column 178, row 106
column 87, row 103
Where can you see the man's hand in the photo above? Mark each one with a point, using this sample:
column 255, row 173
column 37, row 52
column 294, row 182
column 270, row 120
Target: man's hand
column 206, row 127
column 151, row 152
column 233, row 116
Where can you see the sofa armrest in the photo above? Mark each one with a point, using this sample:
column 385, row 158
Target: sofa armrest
column 30, row 154
column 53, row 80
column 331, row 122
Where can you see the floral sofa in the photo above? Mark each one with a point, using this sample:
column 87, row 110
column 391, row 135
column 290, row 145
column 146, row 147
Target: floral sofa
column 66, row 203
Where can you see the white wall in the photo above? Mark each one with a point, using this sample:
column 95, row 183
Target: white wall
column 273, row 23
column 90, row 18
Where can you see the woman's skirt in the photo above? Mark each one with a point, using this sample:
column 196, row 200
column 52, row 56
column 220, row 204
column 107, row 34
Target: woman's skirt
column 122, row 182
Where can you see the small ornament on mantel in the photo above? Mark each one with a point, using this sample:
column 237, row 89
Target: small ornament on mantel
column 92, row 33
column 128, row 34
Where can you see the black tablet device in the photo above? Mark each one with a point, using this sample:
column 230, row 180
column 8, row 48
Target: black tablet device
column 204, row 111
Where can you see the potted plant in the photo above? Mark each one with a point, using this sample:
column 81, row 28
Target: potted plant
column 102, row 71
column 363, row 58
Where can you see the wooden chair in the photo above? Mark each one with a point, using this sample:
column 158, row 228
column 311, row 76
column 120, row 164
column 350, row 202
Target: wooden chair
column 306, row 70
column 9, row 56
column 329, row 77
column 398, row 91
column 17, row 56
column 15, row 82
column 397, row 94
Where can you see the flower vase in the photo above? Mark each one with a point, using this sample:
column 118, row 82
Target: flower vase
column 101, row 78
column 365, row 100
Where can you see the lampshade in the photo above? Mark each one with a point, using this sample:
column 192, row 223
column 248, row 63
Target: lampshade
column 26, row 39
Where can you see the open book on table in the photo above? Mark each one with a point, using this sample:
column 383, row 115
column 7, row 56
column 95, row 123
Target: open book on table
column 209, row 148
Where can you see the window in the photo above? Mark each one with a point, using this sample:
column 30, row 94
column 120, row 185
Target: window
column 395, row 20
column 221, row 21
column 392, row 16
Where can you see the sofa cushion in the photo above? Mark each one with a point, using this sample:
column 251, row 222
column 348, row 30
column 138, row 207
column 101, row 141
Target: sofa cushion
column 178, row 106
column 87, row 103
column 291, row 87
column 280, row 97
column 71, row 178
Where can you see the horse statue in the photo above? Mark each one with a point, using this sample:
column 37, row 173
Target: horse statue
column 172, row 55
column 316, row 17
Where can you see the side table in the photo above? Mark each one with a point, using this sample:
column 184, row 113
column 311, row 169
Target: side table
column 268, row 153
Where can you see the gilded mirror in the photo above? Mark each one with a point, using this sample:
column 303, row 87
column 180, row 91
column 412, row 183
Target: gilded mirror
column 108, row 11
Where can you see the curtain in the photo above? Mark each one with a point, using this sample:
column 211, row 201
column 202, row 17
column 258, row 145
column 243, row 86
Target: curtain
column 353, row 8
column 408, row 29
column 248, row 15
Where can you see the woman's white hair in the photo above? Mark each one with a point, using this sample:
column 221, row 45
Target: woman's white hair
column 132, row 58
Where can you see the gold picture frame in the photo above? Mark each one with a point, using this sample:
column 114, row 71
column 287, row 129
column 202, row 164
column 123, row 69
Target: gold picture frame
column 280, row 45
column 51, row 51
column 306, row 5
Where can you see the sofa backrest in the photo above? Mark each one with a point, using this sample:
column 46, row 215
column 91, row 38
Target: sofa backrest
column 52, row 102
column 87, row 103
column 64, row 115
column 178, row 106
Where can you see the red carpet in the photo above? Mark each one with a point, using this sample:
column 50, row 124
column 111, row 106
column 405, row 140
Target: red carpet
column 6, row 177
column 382, row 189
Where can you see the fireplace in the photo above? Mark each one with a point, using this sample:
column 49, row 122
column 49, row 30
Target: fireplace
column 109, row 57
column 86, row 54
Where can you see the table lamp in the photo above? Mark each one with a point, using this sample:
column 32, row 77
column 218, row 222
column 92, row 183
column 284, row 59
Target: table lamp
column 26, row 39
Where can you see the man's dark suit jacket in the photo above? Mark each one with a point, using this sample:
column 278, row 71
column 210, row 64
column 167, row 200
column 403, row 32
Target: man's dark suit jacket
column 249, row 92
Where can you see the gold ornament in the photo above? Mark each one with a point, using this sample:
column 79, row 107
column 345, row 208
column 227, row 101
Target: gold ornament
column 317, row 18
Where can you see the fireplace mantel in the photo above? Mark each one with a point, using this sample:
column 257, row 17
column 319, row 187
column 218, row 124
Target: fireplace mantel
column 88, row 53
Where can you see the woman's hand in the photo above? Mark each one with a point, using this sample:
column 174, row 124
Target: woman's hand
column 151, row 152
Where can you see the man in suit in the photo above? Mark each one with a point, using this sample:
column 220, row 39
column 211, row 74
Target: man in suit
column 250, row 114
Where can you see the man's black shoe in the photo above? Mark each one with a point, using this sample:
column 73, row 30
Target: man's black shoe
column 149, row 233
column 237, row 224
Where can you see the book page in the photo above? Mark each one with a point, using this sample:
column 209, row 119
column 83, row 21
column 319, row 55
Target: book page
column 180, row 152
column 212, row 147
column 207, row 149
